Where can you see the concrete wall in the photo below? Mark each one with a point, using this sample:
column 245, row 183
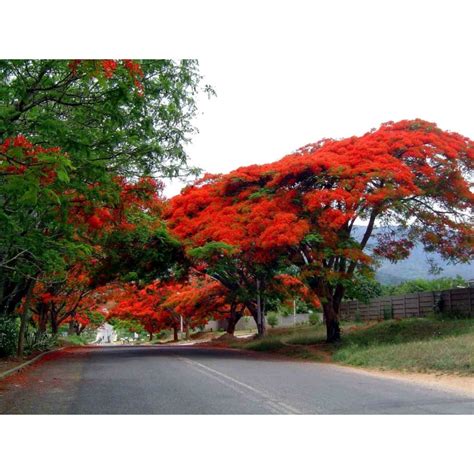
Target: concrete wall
column 247, row 322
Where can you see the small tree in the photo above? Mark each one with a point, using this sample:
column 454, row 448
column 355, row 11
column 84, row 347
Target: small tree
column 272, row 320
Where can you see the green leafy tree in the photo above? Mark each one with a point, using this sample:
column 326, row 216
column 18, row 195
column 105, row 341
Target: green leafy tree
column 363, row 288
column 85, row 122
column 131, row 117
column 420, row 284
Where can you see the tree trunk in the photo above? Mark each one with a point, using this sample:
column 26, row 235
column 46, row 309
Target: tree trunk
column 150, row 336
column 72, row 329
column 12, row 294
column 54, row 324
column 232, row 322
column 261, row 329
column 258, row 317
column 24, row 317
column 175, row 333
column 331, row 318
column 21, row 337
column 233, row 319
column 187, row 331
column 330, row 297
column 42, row 320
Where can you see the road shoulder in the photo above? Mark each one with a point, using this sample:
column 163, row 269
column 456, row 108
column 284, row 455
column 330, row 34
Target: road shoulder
column 459, row 384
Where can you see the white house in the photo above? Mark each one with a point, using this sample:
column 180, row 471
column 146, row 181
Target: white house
column 105, row 334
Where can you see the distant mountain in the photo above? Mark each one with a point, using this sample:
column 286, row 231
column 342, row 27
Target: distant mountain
column 416, row 265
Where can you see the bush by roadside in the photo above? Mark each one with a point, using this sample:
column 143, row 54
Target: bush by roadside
column 73, row 340
column 8, row 337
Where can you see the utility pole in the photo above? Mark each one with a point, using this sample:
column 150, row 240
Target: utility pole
column 294, row 312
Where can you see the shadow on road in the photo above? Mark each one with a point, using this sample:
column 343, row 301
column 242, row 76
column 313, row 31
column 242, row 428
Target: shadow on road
column 117, row 353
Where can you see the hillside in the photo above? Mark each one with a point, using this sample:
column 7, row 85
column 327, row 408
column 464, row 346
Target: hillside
column 417, row 266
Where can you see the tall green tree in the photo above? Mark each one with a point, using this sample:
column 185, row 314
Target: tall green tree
column 67, row 130
column 132, row 117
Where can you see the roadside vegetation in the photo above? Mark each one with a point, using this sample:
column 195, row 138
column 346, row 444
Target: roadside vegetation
column 76, row 340
column 421, row 345
column 364, row 289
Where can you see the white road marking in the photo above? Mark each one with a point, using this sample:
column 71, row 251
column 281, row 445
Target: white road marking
column 274, row 404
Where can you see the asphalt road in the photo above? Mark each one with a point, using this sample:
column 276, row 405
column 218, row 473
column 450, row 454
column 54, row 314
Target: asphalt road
column 196, row 380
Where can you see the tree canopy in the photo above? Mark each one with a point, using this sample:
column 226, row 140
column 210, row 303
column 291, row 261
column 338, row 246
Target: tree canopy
column 303, row 208
column 79, row 141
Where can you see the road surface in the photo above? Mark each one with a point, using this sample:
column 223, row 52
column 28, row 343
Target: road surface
column 197, row 380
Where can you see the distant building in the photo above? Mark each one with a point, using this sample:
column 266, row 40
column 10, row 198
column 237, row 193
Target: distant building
column 105, row 334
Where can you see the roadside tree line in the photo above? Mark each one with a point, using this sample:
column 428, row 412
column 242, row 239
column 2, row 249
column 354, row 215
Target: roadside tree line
column 80, row 142
column 86, row 231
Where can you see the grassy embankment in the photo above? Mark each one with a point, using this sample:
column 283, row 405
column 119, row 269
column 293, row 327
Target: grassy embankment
column 74, row 340
column 422, row 345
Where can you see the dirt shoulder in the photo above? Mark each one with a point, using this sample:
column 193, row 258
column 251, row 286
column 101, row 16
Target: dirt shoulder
column 455, row 383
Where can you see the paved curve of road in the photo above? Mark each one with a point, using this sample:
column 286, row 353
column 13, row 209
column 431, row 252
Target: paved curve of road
column 197, row 380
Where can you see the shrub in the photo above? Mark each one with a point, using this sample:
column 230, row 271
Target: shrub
column 314, row 319
column 39, row 342
column 453, row 314
column 387, row 313
column 8, row 337
column 272, row 320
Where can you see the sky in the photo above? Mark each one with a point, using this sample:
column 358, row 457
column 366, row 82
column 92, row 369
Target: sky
column 286, row 73
column 335, row 71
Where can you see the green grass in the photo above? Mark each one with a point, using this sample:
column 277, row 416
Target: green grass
column 450, row 354
column 423, row 345
column 73, row 340
column 417, row 329
column 267, row 344
column 316, row 336
column 278, row 344
column 300, row 352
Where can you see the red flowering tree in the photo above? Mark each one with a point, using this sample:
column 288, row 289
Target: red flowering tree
column 144, row 307
column 166, row 304
column 124, row 234
column 61, row 300
column 237, row 238
column 411, row 177
column 197, row 301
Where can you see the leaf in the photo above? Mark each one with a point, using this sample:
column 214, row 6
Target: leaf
column 30, row 196
column 63, row 176
column 53, row 195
